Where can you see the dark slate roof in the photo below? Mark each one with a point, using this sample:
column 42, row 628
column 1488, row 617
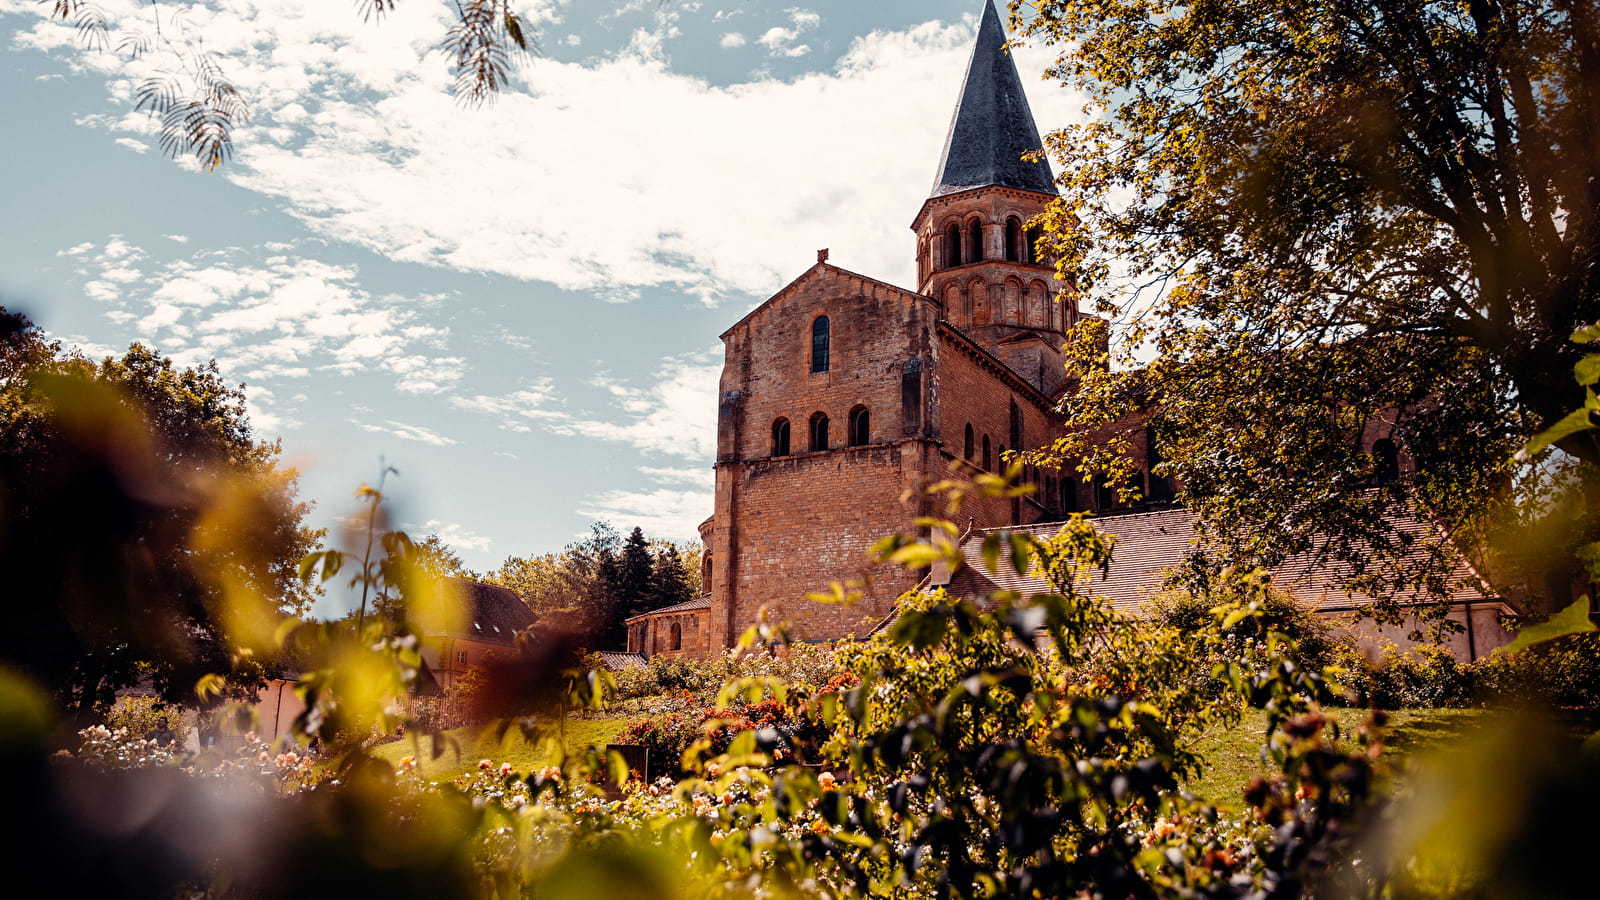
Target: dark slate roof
column 992, row 126
column 615, row 660
column 493, row 613
column 685, row 606
column 1149, row 543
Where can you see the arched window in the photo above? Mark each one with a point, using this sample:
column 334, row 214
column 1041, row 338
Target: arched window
column 976, row 230
column 986, row 460
column 860, row 427
column 1069, row 495
column 1103, row 499
column 819, row 432
column 675, row 637
column 1013, row 240
column 819, row 344
column 1030, row 252
column 952, row 245
column 1160, row 485
column 966, row 444
column 780, row 437
column 1000, row 458
column 1387, row 457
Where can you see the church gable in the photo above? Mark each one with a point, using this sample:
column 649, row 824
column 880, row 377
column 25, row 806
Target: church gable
column 833, row 360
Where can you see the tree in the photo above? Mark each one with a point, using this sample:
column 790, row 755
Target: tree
column 669, row 583
column 1336, row 221
column 635, row 569
column 437, row 558
column 579, row 585
column 145, row 532
column 199, row 106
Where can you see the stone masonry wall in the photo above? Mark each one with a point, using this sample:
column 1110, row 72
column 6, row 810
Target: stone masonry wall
column 788, row 525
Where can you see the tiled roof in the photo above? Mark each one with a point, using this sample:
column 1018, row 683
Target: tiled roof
column 992, row 126
column 1150, row 543
column 494, row 613
column 615, row 660
column 685, row 606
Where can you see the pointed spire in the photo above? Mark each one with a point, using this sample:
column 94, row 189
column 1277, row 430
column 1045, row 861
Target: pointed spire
column 992, row 126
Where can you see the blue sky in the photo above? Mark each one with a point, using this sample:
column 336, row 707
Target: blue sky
column 518, row 306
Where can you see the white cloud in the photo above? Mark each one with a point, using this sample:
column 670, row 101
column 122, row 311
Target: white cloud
column 284, row 316
column 457, row 536
column 729, row 189
column 675, row 414
column 780, row 41
column 180, row 238
column 662, row 513
column 406, row 432
column 733, row 39
column 133, row 144
column 700, row 476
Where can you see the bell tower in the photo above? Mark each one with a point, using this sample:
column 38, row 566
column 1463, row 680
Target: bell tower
column 975, row 252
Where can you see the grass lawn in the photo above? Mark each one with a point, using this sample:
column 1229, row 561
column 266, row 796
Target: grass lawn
column 1233, row 756
column 472, row 745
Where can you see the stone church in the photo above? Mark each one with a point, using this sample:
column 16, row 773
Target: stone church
column 843, row 397
column 842, row 394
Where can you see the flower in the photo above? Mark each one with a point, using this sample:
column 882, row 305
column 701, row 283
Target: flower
column 819, row 826
column 505, row 770
column 550, row 773
column 407, row 762
column 827, row 780
column 485, row 764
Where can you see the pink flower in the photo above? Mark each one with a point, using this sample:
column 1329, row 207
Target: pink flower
column 505, row 770
column 485, row 764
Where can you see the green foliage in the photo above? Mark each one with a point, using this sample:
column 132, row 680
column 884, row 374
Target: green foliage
column 601, row 581
column 1338, row 222
column 151, row 534
column 140, row 716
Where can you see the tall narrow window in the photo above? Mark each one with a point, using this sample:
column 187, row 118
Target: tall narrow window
column 819, row 432
column 860, row 427
column 675, row 637
column 1013, row 240
column 976, row 231
column 1030, row 247
column 780, row 437
column 1069, row 495
column 1103, row 495
column 952, row 246
column 987, row 467
column 1387, row 457
column 966, row 445
column 1160, row 485
column 819, row 344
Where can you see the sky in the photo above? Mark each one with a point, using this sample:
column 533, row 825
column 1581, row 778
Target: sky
column 517, row 306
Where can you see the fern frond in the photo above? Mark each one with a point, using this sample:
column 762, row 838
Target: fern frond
column 374, row 9
column 158, row 94
column 94, row 29
column 135, row 44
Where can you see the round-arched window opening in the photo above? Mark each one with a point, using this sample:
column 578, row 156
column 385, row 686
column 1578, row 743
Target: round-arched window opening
column 821, row 338
column 780, row 437
column 860, row 427
column 819, row 432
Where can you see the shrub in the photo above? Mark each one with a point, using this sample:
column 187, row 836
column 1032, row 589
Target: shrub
column 1561, row 673
column 139, row 716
